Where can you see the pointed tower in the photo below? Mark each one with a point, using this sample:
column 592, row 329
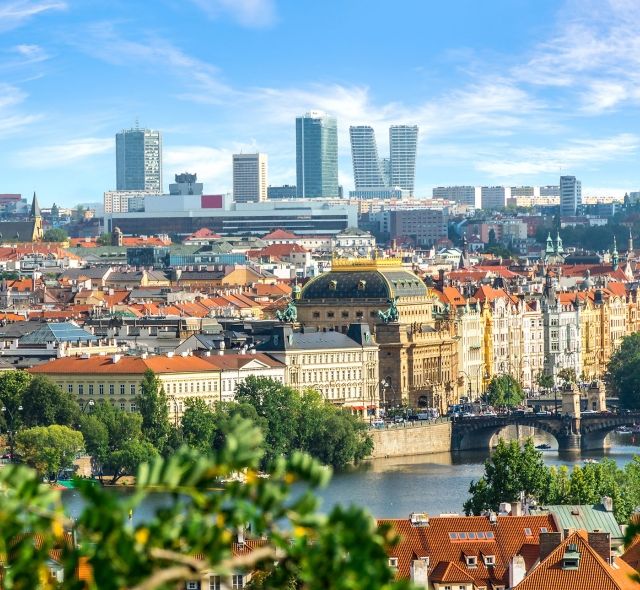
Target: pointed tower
column 630, row 247
column 615, row 259
column 549, row 248
column 559, row 247
column 35, row 217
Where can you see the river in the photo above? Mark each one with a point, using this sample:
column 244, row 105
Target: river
column 393, row 488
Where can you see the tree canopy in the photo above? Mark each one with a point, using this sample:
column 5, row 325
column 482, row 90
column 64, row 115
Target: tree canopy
column 623, row 372
column 55, row 234
column 505, row 391
column 192, row 534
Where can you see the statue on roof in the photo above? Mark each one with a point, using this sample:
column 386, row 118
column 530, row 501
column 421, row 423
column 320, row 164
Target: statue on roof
column 289, row 314
column 391, row 314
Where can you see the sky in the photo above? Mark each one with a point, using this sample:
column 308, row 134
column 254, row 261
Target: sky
column 505, row 92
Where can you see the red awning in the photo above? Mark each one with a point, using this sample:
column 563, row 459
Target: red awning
column 357, row 407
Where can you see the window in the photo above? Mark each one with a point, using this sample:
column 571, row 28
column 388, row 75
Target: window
column 133, row 389
column 543, row 529
column 90, row 388
column 393, row 562
column 489, row 559
column 122, row 406
column 472, row 560
column 112, row 388
column 490, row 535
column 121, row 388
column 214, row 583
column 527, row 532
column 316, row 314
column 192, row 585
column 133, row 406
column 101, row 389
column 70, row 388
column 237, row 582
column 80, row 389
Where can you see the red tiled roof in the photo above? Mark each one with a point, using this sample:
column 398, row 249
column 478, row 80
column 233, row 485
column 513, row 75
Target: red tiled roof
column 592, row 573
column 237, row 361
column 280, row 234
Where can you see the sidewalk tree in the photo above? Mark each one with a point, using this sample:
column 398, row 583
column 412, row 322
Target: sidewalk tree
column 545, row 381
column 505, row 391
column 44, row 403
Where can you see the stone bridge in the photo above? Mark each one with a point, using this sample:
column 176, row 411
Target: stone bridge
column 586, row 432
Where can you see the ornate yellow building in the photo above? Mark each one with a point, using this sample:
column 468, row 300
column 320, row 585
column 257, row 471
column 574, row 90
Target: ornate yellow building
column 418, row 357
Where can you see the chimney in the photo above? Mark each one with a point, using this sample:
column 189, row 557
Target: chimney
column 170, row 354
column 516, row 508
column 517, row 570
column 601, row 543
column 607, row 502
column 548, row 542
column 115, row 358
column 419, row 573
column 240, row 535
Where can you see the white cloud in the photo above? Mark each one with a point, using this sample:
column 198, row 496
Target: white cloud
column 248, row 13
column 15, row 12
column 536, row 161
column 11, row 119
column 50, row 156
column 30, row 53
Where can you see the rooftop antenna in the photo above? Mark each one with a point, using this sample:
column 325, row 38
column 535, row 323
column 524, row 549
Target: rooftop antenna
column 137, row 123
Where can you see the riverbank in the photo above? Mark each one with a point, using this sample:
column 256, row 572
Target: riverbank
column 412, row 439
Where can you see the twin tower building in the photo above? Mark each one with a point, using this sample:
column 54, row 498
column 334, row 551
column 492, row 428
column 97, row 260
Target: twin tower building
column 374, row 177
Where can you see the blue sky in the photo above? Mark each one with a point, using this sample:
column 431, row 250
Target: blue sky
column 504, row 91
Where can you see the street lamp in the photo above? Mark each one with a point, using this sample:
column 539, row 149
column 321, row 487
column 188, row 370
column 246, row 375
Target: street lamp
column 88, row 404
column 11, row 432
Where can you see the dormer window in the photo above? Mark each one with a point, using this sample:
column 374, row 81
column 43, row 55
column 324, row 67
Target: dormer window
column 571, row 558
column 393, row 562
column 333, row 285
column 472, row 560
column 361, row 285
column 489, row 560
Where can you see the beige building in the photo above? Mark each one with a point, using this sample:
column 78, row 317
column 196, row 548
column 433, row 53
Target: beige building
column 249, row 178
column 116, row 379
column 342, row 367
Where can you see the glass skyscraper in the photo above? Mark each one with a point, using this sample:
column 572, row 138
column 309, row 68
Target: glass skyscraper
column 403, row 143
column 316, row 155
column 367, row 167
column 139, row 160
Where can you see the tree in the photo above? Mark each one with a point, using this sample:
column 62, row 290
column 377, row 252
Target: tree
column 568, row 375
column 154, row 409
column 545, row 381
column 12, row 387
column 55, row 234
column 199, row 425
column 492, row 237
column 623, row 372
column 126, row 459
column 104, row 239
column 193, row 532
column 49, row 449
column 510, row 470
column 44, row 403
column 505, row 391
column 55, row 212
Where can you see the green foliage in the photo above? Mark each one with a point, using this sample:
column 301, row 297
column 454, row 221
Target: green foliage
column 44, row 404
column 505, row 391
column 55, row 234
column 104, row 239
column 623, row 372
column 545, row 381
column 49, row 449
column 153, row 407
column 12, row 387
column 295, row 421
column 568, row 375
column 193, row 534
column 510, row 470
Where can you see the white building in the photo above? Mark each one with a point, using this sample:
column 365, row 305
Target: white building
column 493, row 197
column 249, row 178
column 367, row 168
column 125, row 201
column 465, row 195
column 570, row 195
column 403, row 144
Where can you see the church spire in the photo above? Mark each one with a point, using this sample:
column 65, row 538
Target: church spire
column 35, row 208
column 630, row 246
column 615, row 259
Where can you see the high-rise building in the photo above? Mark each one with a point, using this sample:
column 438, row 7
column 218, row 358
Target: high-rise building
column 465, row 195
column 403, row 143
column 367, row 168
column 493, row 197
column 249, row 178
column 316, row 155
column 139, row 160
column 570, row 195
column 186, row 184
column 285, row 191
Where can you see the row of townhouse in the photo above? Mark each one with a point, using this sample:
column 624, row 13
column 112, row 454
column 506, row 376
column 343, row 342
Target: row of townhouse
column 500, row 332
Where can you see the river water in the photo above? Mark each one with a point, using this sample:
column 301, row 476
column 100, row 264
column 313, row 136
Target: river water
column 393, row 488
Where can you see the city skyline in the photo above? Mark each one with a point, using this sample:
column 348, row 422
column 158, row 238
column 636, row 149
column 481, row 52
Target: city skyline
column 515, row 93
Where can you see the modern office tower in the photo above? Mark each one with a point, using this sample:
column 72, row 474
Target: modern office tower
column 367, row 168
column 186, row 184
column 139, row 160
column 492, row 197
column 385, row 164
column 570, row 195
column 316, row 155
column 403, row 143
column 551, row 190
column 249, row 178
column 465, row 195
column 285, row 191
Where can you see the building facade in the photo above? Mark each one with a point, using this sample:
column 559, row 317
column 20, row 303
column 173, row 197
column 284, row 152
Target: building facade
column 465, row 195
column 367, row 168
column 249, row 178
column 316, row 155
column 139, row 160
column 403, row 144
column 492, row 197
column 570, row 195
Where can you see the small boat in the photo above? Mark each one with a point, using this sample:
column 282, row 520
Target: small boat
column 624, row 430
column 589, row 461
column 544, row 447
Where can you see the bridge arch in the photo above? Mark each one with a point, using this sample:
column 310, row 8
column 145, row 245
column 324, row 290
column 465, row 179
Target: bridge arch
column 594, row 432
